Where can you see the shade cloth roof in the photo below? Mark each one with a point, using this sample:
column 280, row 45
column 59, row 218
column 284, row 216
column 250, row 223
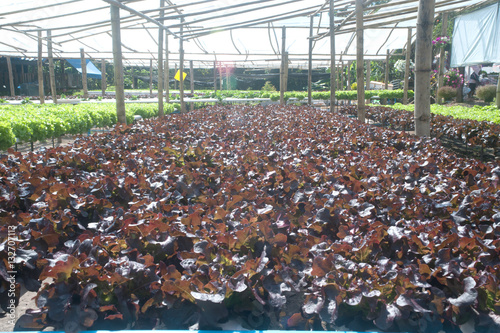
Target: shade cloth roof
column 92, row 71
column 476, row 37
column 253, row 41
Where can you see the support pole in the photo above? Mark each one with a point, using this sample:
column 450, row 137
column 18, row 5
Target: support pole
column 423, row 67
column 63, row 82
column 359, row 61
column 165, row 76
column 175, row 81
column 220, row 75
column 41, row 90
column 134, row 78
column 215, row 76
column 52, row 73
column 191, row 77
column 368, row 74
column 444, row 29
column 161, row 111
column 228, row 82
column 283, row 61
column 104, row 83
column 118, row 65
column 387, row 70
column 84, row 74
column 333, row 73
column 341, row 73
column 11, row 77
column 309, row 73
column 285, row 73
column 460, row 90
column 150, row 77
column 407, row 67
column 167, row 69
column 181, row 66
column 349, row 64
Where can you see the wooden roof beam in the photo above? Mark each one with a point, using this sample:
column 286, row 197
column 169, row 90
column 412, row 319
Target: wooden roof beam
column 235, row 13
column 135, row 12
column 208, row 30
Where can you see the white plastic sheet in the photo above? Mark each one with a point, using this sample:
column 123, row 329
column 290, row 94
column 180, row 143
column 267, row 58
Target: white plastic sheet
column 476, row 37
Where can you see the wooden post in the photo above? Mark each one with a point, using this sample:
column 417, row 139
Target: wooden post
column 285, row 73
column 118, row 65
column 444, row 29
column 165, row 78
column 407, row 68
column 181, row 66
column 167, row 69
column 63, row 81
column 175, row 81
column 368, row 74
column 52, row 73
column 104, row 83
column 341, row 73
column 84, row 74
column 460, row 90
column 349, row 64
column 309, row 73
column 150, row 77
column 333, row 73
column 387, row 57
column 135, row 82
column 283, row 60
column 191, row 77
column 11, row 77
column 161, row 111
column 423, row 67
column 22, row 76
column 359, row 61
column 41, row 90
column 387, row 70
column 215, row 76
column 220, row 75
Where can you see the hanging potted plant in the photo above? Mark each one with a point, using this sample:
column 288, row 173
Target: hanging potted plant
column 442, row 42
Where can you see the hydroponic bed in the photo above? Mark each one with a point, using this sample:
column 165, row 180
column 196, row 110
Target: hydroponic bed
column 273, row 217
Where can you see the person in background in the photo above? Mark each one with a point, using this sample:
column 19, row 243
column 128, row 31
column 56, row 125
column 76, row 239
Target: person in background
column 473, row 83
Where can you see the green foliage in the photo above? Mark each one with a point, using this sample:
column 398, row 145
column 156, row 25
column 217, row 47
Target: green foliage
column 26, row 100
column 354, row 86
column 487, row 93
column 300, row 95
column 275, row 97
column 478, row 113
column 2, row 101
column 346, row 94
column 7, row 137
column 353, row 94
column 321, row 95
column 35, row 122
column 447, row 93
column 268, row 86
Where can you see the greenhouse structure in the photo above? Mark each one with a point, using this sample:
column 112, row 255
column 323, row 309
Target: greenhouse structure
column 250, row 165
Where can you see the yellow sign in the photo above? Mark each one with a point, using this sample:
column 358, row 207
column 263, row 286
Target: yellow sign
column 178, row 76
